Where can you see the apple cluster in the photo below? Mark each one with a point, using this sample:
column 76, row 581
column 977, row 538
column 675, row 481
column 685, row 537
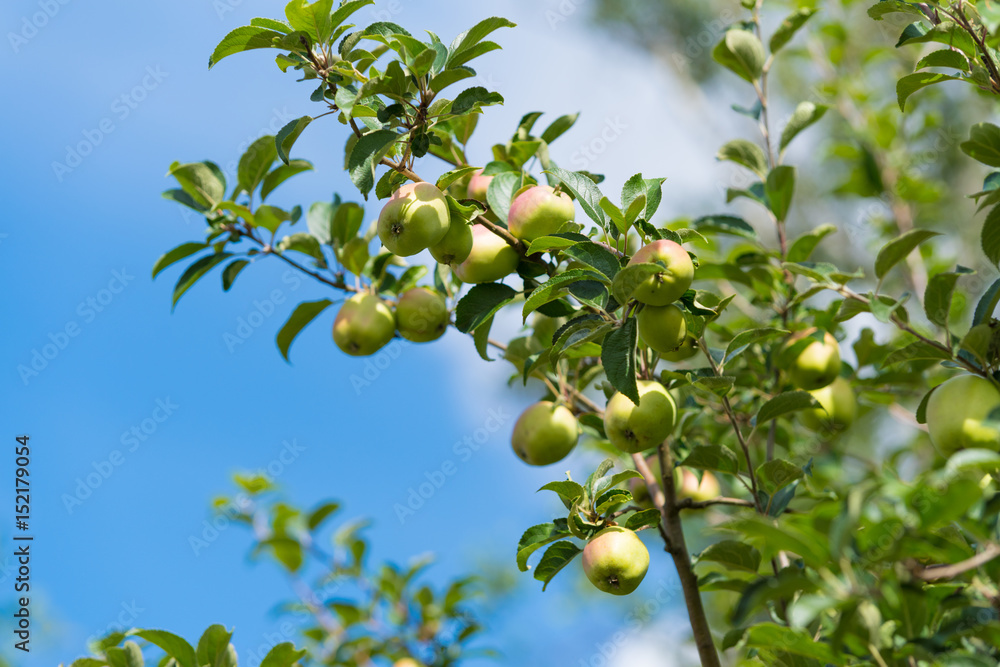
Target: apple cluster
column 366, row 323
column 811, row 361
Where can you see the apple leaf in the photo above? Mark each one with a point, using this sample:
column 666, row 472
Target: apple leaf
column 555, row 558
column 558, row 127
column 612, row 498
column 802, row 248
column 629, row 278
column 202, row 181
column 472, row 99
column 777, row 474
column 176, row 255
column 450, row 177
column 911, row 83
column 987, row 303
column 896, row 250
column 195, row 271
column 791, row 25
column 282, row 655
column 567, row 489
column 779, row 189
column 480, row 304
column 732, row 554
column 303, row 314
column 618, row 358
column 983, row 144
column 368, row 151
column 648, row 517
column 285, row 139
column 782, row 404
column 231, row 271
column 725, row 224
column 547, row 291
column 939, row 293
column 320, row 514
column 770, row 636
column 805, row 114
column 213, row 647
column 585, row 191
column 745, row 339
column 712, row 457
column 538, row 536
column 242, row 39
column 744, row 153
column 742, row 53
column 174, row 646
column 597, row 256
column 282, row 173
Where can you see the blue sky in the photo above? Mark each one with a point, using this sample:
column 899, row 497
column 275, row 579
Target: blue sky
column 99, row 100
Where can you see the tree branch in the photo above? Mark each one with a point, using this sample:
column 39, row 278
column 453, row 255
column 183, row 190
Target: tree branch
column 938, row 572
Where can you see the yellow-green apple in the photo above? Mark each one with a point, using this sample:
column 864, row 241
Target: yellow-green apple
column 662, row 328
column 478, row 185
column 414, row 218
column 957, row 414
column 839, row 407
column 421, row 315
column 615, row 560
column 539, row 211
column 688, row 349
column 688, row 486
column 811, row 362
column 491, row 258
column 670, row 284
column 545, row 433
column 634, row 428
column 363, row 325
column 406, row 662
column 456, row 245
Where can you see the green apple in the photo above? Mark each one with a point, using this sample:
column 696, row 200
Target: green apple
column 538, row 211
column 811, row 363
column 491, row 258
column 478, row 185
column 406, row 662
column 688, row 486
column 666, row 287
column 662, row 328
column 634, row 428
column 956, row 413
column 615, row 560
column 688, row 349
column 421, row 315
column 363, row 325
column 545, row 433
column 840, row 407
column 414, row 218
column 456, row 245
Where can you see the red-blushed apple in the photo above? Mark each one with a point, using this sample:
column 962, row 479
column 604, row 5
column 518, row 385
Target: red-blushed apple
column 670, row 284
column 662, row 328
column 688, row 486
column 491, row 258
column 539, row 211
column 811, row 362
column 545, row 433
column 615, row 560
column 364, row 325
column 688, row 349
column 957, row 414
column 421, row 315
column 414, row 218
column 840, row 407
column 634, row 428
column 456, row 245
column 478, row 185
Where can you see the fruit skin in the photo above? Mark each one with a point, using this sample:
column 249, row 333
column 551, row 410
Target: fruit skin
column 414, row 218
column 491, row 258
column 687, row 486
column 363, row 325
column 688, row 349
column 955, row 414
column 406, row 662
column 539, row 211
column 615, row 560
column 662, row 328
column 840, row 407
column 478, row 185
column 635, row 428
column 810, row 364
column 663, row 288
column 421, row 315
column 455, row 246
column 544, row 433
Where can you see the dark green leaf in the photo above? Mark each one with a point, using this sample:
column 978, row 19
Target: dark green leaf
column 780, row 187
column 231, row 271
column 911, row 83
column 172, row 645
column 741, row 52
column 303, row 314
column 365, row 156
column 648, row 517
column 983, row 144
column 287, row 135
column 480, row 304
column 195, row 271
column 745, row 339
column 777, row 474
column 805, row 114
column 213, row 647
column 320, row 514
column 783, row 404
column 712, row 457
column 618, row 357
column 938, row 295
column 536, row 537
column 896, row 250
column 586, row 192
column 727, row 224
column 281, row 174
column 745, row 153
column 177, row 254
column 255, row 163
column 732, row 554
column 282, row 655
column 784, row 33
column 243, row 39
column 555, row 558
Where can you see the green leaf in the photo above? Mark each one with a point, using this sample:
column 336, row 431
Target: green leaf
column 733, row 555
column 368, row 151
column 281, row 174
column 243, row 39
column 480, row 304
column 782, row 404
column 742, row 53
column 648, row 517
column 287, row 135
column 558, row 127
column 987, row 304
column 584, row 190
column 712, row 457
column 745, row 153
column 231, row 271
column 726, row 224
column 983, row 144
column 896, row 250
column 176, row 255
column 172, row 645
column 990, row 235
column 311, row 18
column 630, row 277
column 596, row 256
column 945, row 32
column 256, row 162
column 213, row 647
column 303, row 314
column 802, row 248
column 195, row 271
column 980, row 460
column 779, row 188
column 319, row 220
column 745, row 339
column 890, row 6
column 555, row 558
column 474, row 98
column 282, row 655
column 938, row 295
column 320, row 514
column 944, row 58
column 610, row 499
column 270, row 217
column 911, row 83
column 618, row 358
column 791, row 25
column 461, row 49
column 795, row 642
column 204, row 181
column 347, row 220
column 776, row 475
column 450, row 177
column 567, row 489
column 805, row 114
column 536, row 537
column 305, row 243
column 548, row 291
column 501, row 191
column 915, row 351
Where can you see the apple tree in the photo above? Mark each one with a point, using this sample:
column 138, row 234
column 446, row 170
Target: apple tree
column 718, row 361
